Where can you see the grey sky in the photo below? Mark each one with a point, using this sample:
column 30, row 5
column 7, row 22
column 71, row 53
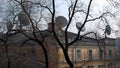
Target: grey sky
column 97, row 7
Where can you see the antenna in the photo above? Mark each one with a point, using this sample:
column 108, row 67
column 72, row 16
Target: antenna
column 61, row 21
column 108, row 29
column 78, row 25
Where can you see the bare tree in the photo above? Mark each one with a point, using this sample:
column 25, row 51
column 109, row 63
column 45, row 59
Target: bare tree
column 28, row 8
column 72, row 10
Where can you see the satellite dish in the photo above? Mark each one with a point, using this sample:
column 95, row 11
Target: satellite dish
column 78, row 25
column 23, row 19
column 61, row 21
column 108, row 29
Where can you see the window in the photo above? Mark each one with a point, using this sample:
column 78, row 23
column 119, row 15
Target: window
column 90, row 67
column 78, row 67
column 78, row 54
column 90, row 54
column 66, row 67
column 33, row 54
column 101, row 54
column 24, row 53
column 110, row 65
column 72, row 54
column 110, row 54
column 101, row 66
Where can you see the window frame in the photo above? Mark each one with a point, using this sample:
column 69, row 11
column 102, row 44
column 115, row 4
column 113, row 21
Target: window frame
column 90, row 66
column 110, row 54
column 90, row 54
column 101, row 54
column 78, row 59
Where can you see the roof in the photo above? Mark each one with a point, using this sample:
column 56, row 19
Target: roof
column 15, row 38
column 92, row 41
column 19, row 38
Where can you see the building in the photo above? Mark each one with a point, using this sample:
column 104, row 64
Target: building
column 29, row 55
column 19, row 56
column 85, row 53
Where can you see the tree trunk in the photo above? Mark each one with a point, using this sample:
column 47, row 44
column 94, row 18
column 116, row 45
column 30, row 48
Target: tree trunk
column 45, row 54
column 8, row 59
column 65, row 51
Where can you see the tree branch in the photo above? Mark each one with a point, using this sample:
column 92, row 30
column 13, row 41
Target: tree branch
column 25, row 42
column 70, row 19
column 100, row 16
column 78, row 35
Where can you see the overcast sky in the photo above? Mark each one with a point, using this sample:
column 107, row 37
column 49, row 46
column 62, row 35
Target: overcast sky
column 97, row 8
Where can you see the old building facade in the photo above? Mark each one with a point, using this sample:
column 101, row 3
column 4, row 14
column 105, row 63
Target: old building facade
column 87, row 54
column 84, row 53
